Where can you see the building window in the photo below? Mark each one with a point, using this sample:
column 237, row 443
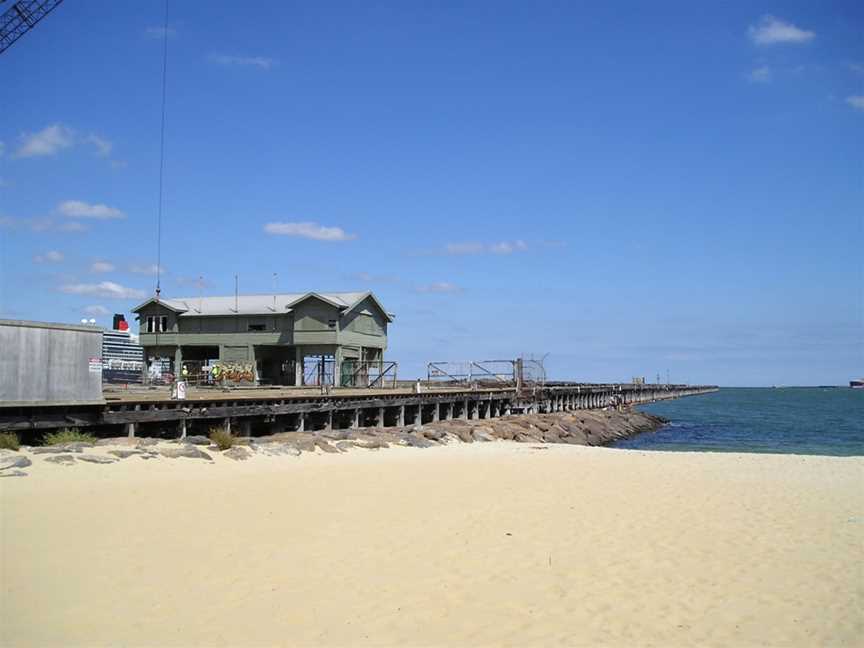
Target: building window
column 331, row 323
column 157, row 323
column 257, row 327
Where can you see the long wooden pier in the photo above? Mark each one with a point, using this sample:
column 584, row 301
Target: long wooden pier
column 263, row 411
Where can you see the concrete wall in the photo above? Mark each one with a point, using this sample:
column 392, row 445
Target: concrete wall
column 49, row 362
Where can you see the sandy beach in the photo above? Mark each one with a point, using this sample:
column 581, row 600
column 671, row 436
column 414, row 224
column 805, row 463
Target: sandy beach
column 461, row 545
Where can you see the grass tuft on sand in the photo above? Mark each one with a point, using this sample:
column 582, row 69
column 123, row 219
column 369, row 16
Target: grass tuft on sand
column 9, row 441
column 68, row 435
column 222, row 438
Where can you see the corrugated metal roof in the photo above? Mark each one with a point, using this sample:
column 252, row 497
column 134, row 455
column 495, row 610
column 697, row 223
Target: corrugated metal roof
column 251, row 304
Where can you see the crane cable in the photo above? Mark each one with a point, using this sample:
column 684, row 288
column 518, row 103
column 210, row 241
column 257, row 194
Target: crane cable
column 161, row 157
column 158, row 322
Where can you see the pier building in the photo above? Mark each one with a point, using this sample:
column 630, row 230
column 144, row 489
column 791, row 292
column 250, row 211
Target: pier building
column 310, row 338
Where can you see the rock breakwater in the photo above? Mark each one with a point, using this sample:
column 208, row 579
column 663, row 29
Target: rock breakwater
column 583, row 427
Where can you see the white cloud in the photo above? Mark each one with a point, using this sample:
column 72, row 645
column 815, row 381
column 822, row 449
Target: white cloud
column 771, row 31
column 199, row 282
column 107, row 289
column 309, row 230
column 40, row 225
column 118, row 164
column 51, row 256
column 49, row 141
column 501, row 247
column 57, row 137
column 103, row 146
column 506, row 247
column 102, row 266
column 368, row 277
column 72, row 226
column 856, row 101
column 96, row 310
column 160, row 32
column 760, row 75
column 438, row 287
column 261, row 62
column 144, row 269
column 80, row 209
column 464, row 248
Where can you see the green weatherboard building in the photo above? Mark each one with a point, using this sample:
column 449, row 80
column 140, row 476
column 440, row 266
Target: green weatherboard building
column 295, row 339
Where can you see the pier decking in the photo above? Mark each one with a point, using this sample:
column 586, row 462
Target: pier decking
column 259, row 410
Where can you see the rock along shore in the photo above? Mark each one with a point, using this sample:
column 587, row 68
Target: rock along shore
column 583, row 427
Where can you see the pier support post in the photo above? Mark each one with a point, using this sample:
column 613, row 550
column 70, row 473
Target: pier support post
column 355, row 419
column 301, row 422
column 418, row 416
column 449, row 412
column 329, row 425
column 436, row 412
column 182, row 428
column 401, row 416
column 464, row 415
column 380, row 422
column 132, row 427
column 227, row 424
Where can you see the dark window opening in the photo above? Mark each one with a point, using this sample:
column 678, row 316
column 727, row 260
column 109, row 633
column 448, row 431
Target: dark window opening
column 157, row 323
column 257, row 327
column 331, row 323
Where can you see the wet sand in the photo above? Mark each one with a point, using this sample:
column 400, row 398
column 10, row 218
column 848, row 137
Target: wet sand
column 462, row 545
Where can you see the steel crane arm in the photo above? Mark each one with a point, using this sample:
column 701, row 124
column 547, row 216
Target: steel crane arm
column 21, row 17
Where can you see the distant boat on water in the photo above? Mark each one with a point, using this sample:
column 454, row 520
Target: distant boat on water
column 857, row 384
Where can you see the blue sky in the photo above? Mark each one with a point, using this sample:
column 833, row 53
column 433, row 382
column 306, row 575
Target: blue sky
column 629, row 188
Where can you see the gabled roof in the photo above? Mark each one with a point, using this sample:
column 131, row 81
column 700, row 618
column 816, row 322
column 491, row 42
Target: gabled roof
column 389, row 316
column 170, row 304
column 256, row 304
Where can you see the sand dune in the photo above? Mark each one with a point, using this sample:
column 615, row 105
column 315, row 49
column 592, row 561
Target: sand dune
column 463, row 545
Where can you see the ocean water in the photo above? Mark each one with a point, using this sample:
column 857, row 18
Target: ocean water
column 790, row 420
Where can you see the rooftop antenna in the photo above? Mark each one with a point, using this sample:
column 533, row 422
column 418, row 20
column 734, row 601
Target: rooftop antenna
column 236, row 293
column 200, row 293
column 275, row 290
column 161, row 157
